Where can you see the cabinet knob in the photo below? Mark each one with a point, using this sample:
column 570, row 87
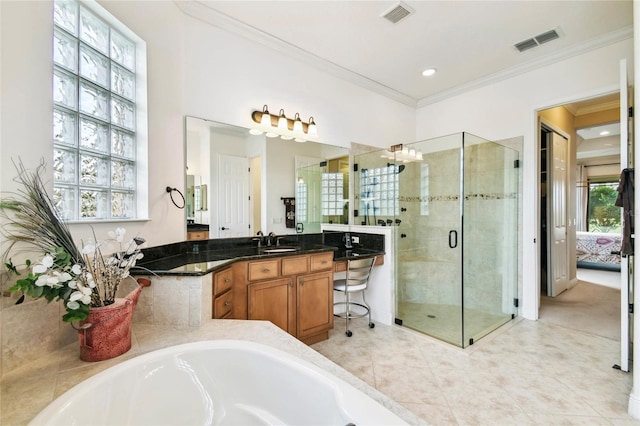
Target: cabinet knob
column 301, row 282
column 290, row 283
column 324, row 262
column 227, row 280
column 227, row 303
column 265, row 270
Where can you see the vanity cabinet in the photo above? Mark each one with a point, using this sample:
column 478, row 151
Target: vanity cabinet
column 293, row 292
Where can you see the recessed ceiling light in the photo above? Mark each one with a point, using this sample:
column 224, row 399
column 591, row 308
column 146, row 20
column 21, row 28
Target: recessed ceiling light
column 604, row 133
column 429, row 72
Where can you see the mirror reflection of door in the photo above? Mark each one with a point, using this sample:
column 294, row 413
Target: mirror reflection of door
column 233, row 194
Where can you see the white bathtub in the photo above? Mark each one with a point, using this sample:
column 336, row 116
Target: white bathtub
column 218, row 382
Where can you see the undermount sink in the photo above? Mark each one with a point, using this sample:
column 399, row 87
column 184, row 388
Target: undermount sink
column 280, row 249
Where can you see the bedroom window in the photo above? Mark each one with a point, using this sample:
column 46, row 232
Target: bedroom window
column 602, row 214
column 99, row 115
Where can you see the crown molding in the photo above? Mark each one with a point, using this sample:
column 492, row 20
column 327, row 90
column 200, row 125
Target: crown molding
column 225, row 22
column 201, row 11
column 595, row 43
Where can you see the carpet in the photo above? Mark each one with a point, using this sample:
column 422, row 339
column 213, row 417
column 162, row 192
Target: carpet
column 586, row 307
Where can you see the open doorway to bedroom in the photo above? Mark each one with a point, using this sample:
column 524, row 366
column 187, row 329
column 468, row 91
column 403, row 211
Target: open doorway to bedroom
column 590, row 302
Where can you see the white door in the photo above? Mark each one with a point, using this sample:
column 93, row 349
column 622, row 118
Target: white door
column 558, row 147
column 233, row 200
column 626, row 263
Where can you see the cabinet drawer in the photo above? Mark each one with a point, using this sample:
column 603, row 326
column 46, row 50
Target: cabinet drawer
column 321, row 261
column 198, row 235
column 295, row 265
column 223, row 305
column 263, row 270
column 222, row 281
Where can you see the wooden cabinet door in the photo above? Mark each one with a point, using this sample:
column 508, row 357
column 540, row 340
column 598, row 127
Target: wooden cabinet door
column 273, row 301
column 314, row 304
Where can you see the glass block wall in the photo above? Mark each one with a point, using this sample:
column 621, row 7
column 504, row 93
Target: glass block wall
column 94, row 118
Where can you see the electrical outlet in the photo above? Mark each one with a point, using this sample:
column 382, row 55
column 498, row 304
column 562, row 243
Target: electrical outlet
column 355, row 239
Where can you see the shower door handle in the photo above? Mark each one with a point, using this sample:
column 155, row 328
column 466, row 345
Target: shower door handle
column 453, row 238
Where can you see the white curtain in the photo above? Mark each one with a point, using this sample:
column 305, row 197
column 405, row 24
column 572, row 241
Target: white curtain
column 582, row 197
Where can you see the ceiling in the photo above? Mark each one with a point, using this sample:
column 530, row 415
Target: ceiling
column 470, row 43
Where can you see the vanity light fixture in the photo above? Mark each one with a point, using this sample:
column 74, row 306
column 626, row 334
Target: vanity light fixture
column 402, row 154
column 282, row 126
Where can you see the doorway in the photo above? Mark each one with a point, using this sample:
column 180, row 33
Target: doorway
column 591, row 156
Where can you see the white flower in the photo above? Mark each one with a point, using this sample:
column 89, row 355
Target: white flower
column 42, row 280
column 52, row 281
column 72, row 304
column 86, row 291
column 72, row 284
column 118, row 235
column 76, row 295
column 65, row 276
column 89, row 249
column 139, row 256
column 39, row 269
column 47, row 261
column 76, row 269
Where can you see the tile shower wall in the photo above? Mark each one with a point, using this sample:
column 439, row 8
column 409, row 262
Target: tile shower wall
column 430, row 273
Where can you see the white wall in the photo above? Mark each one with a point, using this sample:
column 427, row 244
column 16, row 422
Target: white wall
column 507, row 109
column 193, row 69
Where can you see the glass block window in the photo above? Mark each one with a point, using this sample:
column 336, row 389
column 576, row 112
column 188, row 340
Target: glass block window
column 332, row 194
column 94, row 117
column 424, row 189
column 379, row 190
column 301, row 202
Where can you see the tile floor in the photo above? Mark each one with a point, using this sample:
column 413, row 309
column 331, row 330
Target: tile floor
column 525, row 373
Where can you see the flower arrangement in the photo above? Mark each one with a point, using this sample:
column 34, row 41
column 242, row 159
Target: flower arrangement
column 81, row 279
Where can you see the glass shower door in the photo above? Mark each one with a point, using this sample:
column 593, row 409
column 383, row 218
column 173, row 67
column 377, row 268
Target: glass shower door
column 490, row 230
column 429, row 239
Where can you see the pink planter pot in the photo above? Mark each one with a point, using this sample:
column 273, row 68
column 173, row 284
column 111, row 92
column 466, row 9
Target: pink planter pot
column 106, row 333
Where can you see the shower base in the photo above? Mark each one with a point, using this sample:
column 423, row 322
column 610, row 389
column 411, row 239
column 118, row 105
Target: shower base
column 444, row 322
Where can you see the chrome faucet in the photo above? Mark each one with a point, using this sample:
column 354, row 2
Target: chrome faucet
column 270, row 238
column 259, row 238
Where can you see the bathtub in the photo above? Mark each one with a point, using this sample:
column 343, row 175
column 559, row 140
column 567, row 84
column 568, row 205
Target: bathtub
column 217, row 382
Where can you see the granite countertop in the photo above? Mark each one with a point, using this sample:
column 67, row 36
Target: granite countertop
column 43, row 380
column 204, row 262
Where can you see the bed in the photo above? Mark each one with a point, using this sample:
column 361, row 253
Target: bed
column 593, row 250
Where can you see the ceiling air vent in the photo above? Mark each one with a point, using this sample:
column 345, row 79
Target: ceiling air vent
column 537, row 40
column 397, row 13
column 527, row 44
column 548, row 36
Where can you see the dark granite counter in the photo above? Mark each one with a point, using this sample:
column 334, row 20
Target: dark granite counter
column 203, row 257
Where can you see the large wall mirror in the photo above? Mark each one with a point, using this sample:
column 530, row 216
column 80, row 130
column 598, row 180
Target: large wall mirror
column 238, row 184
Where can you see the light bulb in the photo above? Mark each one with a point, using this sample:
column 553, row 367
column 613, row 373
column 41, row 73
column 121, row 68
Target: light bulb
column 312, row 130
column 255, row 132
column 265, row 120
column 282, row 121
column 297, row 124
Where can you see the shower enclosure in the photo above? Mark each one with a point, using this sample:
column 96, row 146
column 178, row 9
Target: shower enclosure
column 322, row 194
column 454, row 203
